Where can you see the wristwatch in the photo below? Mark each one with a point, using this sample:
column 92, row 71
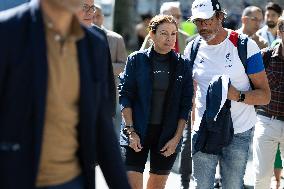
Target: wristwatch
column 127, row 130
column 242, row 97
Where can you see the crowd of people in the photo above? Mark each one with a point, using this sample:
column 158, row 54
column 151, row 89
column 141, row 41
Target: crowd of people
column 71, row 98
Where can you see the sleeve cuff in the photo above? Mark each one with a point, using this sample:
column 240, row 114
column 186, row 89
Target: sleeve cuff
column 124, row 103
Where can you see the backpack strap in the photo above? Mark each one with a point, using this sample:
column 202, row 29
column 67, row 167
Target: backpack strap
column 241, row 41
column 242, row 49
column 194, row 49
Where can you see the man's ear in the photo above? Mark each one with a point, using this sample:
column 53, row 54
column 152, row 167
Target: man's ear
column 220, row 16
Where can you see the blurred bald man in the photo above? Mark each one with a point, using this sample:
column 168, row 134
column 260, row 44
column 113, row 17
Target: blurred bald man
column 252, row 18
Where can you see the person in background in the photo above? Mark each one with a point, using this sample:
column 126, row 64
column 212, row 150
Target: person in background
column 252, row 19
column 53, row 85
column 278, row 40
column 155, row 95
column 141, row 28
column 269, row 32
column 118, row 55
column 115, row 41
column 86, row 15
column 268, row 131
column 171, row 8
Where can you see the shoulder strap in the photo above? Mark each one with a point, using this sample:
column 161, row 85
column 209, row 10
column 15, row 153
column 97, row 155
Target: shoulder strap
column 242, row 49
column 194, row 49
column 241, row 42
column 242, row 52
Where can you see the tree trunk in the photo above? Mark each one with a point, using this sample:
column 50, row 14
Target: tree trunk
column 124, row 19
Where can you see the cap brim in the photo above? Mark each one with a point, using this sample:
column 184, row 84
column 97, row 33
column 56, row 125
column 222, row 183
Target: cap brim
column 202, row 15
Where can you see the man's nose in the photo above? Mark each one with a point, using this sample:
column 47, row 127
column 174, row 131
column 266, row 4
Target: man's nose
column 202, row 26
column 269, row 18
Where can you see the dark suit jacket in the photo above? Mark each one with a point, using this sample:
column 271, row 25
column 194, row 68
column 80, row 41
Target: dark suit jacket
column 112, row 86
column 23, row 88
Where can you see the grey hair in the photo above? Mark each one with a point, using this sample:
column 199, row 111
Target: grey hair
column 168, row 5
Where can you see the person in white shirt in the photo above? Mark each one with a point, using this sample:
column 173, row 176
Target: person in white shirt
column 218, row 55
column 269, row 31
column 252, row 18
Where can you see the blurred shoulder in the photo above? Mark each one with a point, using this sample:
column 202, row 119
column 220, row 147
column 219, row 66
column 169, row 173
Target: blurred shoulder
column 97, row 34
column 113, row 34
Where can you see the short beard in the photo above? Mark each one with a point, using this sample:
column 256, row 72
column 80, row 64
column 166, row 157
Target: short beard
column 210, row 37
column 271, row 25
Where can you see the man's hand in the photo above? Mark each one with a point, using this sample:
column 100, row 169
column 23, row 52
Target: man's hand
column 170, row 147
column 259, row 96
column 233, row 93
column 134, row 142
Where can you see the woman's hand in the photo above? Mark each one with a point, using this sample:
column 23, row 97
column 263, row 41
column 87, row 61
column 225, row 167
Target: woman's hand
column 134, row 142
column 170, row 147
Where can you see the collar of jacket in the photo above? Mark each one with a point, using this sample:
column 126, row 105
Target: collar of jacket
column 173, row 55
column 174, row 61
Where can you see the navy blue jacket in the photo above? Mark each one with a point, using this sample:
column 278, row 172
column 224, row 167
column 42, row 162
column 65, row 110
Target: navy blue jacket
column 112, row 87
column 23, row 88
column 135, row 91
column 213, row 135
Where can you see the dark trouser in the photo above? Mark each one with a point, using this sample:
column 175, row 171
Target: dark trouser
column 76, row 183
column 185, row 159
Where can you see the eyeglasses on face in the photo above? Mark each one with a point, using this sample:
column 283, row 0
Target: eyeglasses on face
column 207, row 22
column 87, row 8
